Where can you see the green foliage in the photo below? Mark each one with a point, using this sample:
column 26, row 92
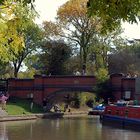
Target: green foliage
column 87, row 99
column 21, row 36
column 33, row 39
column 55, row 54
column 82, row 99
column 76, row 100
column 129, row 51
column 10, row 39
column 103, row 92
column 25, row 2
column 75, row 26
column 18, row 29
column 102, row 74
column 6, row 70
column 101, row 47
column 29, row 73
column 112, row 12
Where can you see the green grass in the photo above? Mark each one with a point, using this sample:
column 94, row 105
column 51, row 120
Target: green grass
column 18, row 106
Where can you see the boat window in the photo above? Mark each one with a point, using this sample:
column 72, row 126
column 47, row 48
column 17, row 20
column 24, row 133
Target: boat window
column 109, row 111
column 126, row 112
column 117, row 112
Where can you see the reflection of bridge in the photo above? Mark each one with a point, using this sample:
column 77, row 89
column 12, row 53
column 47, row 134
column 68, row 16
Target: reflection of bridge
column 46, row 86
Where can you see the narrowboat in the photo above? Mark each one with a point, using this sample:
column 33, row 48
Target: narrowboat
column 124, row 115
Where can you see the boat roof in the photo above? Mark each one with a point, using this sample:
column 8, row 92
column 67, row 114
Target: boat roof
column 128, row 106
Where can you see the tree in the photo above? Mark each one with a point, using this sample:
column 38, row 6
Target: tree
column 74, row 25
column 53, row 57
column 112, row 12
column 104, row 91
column 24, row 2
column 21, row 37
column 10, row 20
column 72, row 65
column 128, row 51
column 33, row 40
column 10, row 39
column 103, row 45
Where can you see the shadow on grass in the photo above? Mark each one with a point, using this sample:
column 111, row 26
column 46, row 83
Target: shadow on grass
column 17, row 106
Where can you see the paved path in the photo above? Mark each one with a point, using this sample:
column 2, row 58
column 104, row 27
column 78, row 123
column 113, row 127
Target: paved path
column 3, row 112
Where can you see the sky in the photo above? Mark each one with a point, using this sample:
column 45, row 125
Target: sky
column 48, row 9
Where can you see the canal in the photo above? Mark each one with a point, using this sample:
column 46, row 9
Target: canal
column 82, row 128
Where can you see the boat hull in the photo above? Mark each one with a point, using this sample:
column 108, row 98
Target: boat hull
column 123, row 122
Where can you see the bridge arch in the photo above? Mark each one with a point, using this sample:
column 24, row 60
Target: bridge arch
column 64, row 95
column 65, row 91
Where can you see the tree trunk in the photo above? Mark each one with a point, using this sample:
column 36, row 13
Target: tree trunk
column 84, row 62
column 15, row 73
column 16, row 69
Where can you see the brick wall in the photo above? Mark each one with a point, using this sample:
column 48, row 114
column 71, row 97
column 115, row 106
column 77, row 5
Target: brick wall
column 44, row 86
column 121, row 85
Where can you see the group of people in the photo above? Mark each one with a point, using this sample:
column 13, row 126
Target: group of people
column 46, row 107
column 56, row 107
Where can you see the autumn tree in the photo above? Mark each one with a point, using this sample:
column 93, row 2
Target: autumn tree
column 81, row 29
column 10, row 39
column 84, row 33
column 74, row 25
column 21, row 36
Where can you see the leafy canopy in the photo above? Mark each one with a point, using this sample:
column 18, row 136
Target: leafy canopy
column 112, row 12
column 13, row 23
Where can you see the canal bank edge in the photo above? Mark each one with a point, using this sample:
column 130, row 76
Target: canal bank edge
column 41, row 116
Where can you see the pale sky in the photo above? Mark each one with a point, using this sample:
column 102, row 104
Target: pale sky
column 48, row 9
column 132, row 31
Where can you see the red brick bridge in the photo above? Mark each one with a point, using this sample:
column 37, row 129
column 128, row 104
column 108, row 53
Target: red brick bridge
column 49, row 86
column 122, row 87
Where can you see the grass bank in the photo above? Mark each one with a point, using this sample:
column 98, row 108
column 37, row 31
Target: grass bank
column 22, row 106
column 17, row 106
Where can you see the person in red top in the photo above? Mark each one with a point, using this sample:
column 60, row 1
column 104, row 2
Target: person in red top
column 3, row 100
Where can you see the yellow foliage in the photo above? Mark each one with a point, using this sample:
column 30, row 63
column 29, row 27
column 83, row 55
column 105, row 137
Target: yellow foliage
column 76, row 8
column 13, row 20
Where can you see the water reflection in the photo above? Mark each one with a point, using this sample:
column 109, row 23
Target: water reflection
column 3, row 132
column 62, row 129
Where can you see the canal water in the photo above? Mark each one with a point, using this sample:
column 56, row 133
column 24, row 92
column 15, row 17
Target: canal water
column 82, row 128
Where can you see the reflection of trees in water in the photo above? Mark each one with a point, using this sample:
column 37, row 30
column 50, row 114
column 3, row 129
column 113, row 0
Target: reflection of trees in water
column 3, row 131
column 20, row 130
column 64, row 129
